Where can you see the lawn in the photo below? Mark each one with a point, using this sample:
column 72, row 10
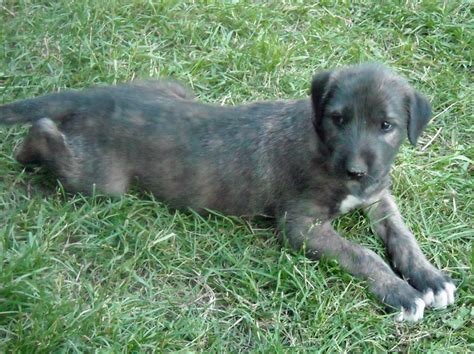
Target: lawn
column 84, row 273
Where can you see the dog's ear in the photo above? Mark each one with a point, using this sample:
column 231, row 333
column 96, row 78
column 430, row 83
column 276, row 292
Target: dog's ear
column 319, row 92
column 419, row 114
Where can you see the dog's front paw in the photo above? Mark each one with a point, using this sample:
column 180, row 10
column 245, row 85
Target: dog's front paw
column 440, row 298
column 412, row 313
column 438, row 289
column 401, row 297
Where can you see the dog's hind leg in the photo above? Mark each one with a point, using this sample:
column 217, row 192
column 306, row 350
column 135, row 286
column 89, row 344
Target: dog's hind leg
column 76, row 165
column 46, row 144
column 42, row 143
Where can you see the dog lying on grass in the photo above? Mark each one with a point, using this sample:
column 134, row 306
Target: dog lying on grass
column 304, row 162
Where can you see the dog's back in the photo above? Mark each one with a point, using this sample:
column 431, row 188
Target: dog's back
column 232, row 159
column 60, row 105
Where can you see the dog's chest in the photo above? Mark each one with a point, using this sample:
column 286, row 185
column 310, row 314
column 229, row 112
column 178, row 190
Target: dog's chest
column 350, row 202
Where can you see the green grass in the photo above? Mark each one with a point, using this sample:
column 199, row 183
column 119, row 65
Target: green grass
column 83, row 274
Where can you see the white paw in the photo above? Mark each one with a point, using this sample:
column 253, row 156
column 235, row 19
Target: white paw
column 428, row 297
column 414, row 316
column 443, row 297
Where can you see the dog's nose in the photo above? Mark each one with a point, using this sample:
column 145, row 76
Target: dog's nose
column 356, row 167
column 356, row 174
column 356, row 170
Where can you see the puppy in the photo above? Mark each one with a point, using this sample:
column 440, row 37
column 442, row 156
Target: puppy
column 305, row 162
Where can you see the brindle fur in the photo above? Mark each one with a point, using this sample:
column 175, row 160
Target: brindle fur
column 294, row 160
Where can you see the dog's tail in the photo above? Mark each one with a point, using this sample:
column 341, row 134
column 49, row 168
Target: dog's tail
column 55, row 106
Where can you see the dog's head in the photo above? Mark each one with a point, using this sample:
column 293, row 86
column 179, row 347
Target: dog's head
column 362, row 115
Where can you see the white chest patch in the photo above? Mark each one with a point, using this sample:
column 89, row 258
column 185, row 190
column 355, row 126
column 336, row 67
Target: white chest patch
column 349, row 203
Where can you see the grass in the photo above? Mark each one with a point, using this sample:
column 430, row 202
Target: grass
column 89, row 273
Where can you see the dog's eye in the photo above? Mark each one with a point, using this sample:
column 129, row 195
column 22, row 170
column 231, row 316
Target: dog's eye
column 338, row 119
column 386, row 126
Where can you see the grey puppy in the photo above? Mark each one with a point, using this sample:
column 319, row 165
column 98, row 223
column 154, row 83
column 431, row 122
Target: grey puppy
column 304, row 162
